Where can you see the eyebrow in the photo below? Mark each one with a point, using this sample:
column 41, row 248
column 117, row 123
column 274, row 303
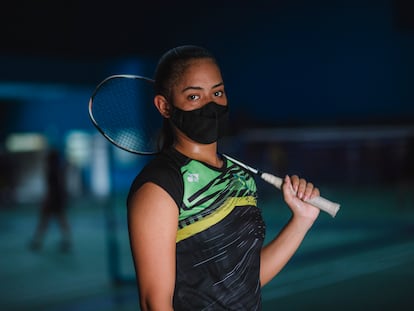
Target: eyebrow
column 200, row 88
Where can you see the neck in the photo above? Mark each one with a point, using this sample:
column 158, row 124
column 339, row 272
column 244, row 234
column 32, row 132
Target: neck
column 200, row 152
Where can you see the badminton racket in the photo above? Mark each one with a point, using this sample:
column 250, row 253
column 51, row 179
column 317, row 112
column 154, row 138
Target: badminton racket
column 122, row 109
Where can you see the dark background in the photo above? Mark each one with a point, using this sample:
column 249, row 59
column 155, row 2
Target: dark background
column 333, row 65
column 284, row 62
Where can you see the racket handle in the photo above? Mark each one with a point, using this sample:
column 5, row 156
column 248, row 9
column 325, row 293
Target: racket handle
column 323, row 204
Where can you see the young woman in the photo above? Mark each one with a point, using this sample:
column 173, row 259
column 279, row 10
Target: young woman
column 196, row 232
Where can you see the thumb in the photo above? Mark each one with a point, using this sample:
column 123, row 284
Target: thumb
column 287, row 189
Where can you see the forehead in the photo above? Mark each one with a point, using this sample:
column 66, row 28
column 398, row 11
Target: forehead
column 200, row 71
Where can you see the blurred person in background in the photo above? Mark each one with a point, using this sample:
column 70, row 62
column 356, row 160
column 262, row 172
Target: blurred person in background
column 54, row 203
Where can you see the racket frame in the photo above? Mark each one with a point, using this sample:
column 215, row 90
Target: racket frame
column 95, row 122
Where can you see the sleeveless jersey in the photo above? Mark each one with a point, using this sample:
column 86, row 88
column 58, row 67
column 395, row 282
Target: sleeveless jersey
column 220, row 231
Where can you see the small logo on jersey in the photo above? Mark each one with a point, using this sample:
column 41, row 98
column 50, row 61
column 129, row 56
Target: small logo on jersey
column 192, row 177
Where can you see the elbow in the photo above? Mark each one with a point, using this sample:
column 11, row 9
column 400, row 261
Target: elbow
column 154, row 303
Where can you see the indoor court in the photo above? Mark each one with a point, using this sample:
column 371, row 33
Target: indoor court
column 361, row 260
column 321, row 89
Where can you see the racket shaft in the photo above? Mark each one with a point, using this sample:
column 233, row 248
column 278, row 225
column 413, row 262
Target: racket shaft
column 323, row 204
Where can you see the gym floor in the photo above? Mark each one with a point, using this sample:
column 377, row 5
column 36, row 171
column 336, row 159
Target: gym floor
column 362, row 259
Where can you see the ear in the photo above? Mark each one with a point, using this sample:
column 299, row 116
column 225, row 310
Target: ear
column 162, row 105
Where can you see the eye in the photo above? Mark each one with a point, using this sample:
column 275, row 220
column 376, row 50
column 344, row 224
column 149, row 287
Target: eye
column 218, row 93
column 193, row 97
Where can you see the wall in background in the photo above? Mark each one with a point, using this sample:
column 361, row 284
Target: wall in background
column 284, row 62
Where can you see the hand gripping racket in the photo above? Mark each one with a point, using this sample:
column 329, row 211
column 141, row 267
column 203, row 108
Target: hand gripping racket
column 121, row 108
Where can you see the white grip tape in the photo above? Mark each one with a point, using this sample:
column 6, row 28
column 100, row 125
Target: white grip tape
column 271, row 179
column 325, row 205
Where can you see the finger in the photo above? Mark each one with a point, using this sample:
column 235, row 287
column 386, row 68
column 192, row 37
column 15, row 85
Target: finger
column 287, row 183
column 308, row 191
column 315, row 193
column 295, row 182
column 301, row 188
column 288, row 187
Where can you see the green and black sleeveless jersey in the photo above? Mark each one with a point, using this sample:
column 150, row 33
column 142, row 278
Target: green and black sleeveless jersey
column 220, row 232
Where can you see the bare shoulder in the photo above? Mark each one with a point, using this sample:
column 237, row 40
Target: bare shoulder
column 151, row 196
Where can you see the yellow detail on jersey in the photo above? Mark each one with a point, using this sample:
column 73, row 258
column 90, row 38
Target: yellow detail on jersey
column 215, row 217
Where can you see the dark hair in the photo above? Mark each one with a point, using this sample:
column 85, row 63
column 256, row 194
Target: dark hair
column 169, row 69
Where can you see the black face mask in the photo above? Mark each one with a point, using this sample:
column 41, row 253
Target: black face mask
column 204, row 125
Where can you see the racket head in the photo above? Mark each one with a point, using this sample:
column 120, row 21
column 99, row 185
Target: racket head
column 122, row 109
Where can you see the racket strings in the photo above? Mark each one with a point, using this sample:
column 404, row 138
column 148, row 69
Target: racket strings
column 122, row 109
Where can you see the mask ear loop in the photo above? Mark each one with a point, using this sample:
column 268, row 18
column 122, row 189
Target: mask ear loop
column 173, row 115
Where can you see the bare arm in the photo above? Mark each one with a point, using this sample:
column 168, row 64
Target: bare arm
column 278, row 252
column 152, row 223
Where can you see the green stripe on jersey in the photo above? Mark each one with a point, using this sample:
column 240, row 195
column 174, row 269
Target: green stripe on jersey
column 206, row 189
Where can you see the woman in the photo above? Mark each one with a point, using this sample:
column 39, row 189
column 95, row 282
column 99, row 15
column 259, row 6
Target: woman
column 196, row 233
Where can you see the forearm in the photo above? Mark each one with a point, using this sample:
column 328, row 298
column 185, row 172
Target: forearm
column 279, row 251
